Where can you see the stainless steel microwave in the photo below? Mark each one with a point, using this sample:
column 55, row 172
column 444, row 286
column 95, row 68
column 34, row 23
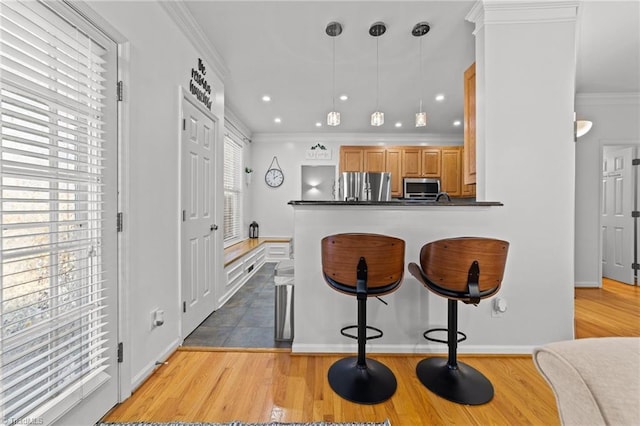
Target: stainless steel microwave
column 422, row 188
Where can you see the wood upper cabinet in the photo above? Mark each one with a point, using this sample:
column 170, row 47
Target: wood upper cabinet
column 445, row 162
column 467, row 190
column 469, row 160
column 431, row 158
column 394, row 166
column 450, row 180
column 351, row 159
column 411, row 162
column 374, row 160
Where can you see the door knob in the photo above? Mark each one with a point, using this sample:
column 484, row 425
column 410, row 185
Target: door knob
column 213, row 227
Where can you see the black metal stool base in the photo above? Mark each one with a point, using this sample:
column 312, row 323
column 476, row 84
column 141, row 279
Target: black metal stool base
column 371, row 384
column 464, row 385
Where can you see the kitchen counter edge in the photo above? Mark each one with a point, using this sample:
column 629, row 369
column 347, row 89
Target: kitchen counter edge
column 407, row 203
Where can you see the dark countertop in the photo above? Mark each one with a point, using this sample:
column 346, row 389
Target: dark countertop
column 469, row 202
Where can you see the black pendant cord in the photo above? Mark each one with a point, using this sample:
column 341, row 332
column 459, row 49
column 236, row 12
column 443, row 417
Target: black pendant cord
column 333, row 88
column 420, row 76
column 377, row 73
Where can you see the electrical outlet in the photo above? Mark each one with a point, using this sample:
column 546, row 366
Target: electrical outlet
column 157, row 318
column 499, row 307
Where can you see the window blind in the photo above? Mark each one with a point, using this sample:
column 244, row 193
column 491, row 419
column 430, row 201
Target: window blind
column 232, row 189
column 52, row 294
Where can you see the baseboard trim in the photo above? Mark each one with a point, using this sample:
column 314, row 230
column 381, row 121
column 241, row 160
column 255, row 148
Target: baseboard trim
column 412, row 349
column 588, row 284
column 148, row 370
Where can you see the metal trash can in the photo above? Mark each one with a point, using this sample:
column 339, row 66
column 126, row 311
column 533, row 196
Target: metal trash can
column 284, row 301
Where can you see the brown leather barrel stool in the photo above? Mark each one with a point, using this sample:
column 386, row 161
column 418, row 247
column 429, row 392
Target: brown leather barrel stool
column 362, row 265
column 465, row 269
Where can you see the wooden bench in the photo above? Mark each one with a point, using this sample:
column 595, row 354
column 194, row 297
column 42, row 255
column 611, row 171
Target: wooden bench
column 243, row 259
column 236, row 251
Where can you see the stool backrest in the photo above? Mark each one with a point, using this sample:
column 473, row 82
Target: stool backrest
column 384, row 256
column 446, row 262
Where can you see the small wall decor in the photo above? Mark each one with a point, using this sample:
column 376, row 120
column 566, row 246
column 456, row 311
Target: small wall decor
column 318, row 152
column 248, row 172
column 274, row 176
column 199, row 87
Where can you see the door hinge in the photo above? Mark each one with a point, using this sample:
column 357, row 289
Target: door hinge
column 635, row 162
column 184, row 124
column 635, row 266
column 119, row 221
column 120, row 91
column 635, row 213
column 120, row 352
column 184, row 307
column 184, row 215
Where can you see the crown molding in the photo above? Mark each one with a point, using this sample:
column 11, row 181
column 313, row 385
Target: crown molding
column 630, row 98
column 181, row 16
column 361, row 138
column 486, row 12
column 235, row 125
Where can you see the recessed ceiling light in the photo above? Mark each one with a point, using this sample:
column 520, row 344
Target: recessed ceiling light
column 277, row 120
column 440, row 97
column 266, row 98
column 343, row 97
column 398, row 124
column 457, row 123
column 318, row 124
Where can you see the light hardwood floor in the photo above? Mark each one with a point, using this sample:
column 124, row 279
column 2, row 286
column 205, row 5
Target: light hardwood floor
column 255, row 386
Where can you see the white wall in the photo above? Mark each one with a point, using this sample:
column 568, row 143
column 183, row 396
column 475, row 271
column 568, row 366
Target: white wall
column 269, row 205
column 615, row 122
column 160, row 60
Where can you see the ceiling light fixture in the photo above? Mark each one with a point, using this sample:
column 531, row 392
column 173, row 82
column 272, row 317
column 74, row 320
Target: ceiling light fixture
column 376, row 30
column 440, row 97
column 333, row 30
column 266, row 98
column 277, row 120
column 457, row 123
column 343, row 97
column 420, row 29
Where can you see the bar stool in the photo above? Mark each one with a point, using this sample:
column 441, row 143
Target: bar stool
column 465, row 269
column 362, row 265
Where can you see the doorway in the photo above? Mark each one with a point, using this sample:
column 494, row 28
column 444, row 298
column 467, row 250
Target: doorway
column 618, row 220
column 198, row 248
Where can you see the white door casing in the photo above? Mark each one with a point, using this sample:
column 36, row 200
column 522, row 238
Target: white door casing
column 617, row 224
column 198, row 142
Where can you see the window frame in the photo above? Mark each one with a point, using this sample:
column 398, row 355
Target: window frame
column 73, row 394
column 238, row 190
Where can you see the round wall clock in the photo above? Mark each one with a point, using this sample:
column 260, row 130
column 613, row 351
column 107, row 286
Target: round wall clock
column 274, row 176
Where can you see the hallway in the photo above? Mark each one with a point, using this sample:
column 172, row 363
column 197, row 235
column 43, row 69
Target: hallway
column 246, row 320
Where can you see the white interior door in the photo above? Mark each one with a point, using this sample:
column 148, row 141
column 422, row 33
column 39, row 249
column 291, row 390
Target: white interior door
column 198, row 227
column 617, row 222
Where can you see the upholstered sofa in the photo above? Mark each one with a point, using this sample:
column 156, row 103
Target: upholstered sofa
column 596, row 381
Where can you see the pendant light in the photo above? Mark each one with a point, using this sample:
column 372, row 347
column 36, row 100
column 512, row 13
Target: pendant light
column 333, row 30
column 376, row 30
column 420, row 29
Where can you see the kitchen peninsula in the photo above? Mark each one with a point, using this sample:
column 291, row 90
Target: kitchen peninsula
column 320, row 312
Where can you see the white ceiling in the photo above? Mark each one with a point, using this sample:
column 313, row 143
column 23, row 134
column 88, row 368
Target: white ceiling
column 280, row 48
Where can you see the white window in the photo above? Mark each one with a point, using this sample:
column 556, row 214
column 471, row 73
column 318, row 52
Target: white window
column 232, row 190
column 58, row 196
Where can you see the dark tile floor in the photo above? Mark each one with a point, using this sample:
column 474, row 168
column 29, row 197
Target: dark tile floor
column 246, row 320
